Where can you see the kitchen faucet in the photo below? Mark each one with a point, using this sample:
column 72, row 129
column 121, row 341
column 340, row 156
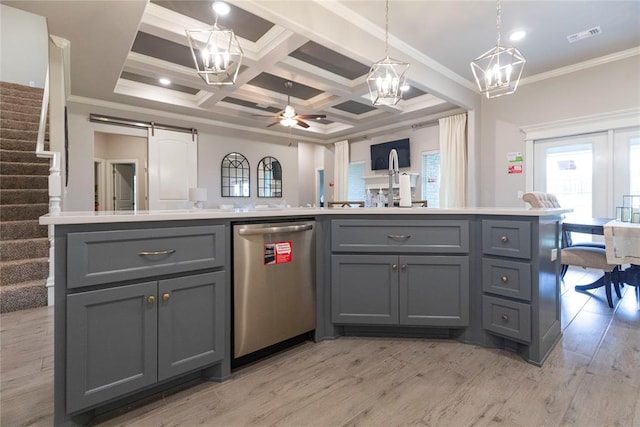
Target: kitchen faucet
column 394, row 175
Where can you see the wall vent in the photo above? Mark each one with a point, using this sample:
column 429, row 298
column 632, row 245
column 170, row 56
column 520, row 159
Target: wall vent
column 584, row 34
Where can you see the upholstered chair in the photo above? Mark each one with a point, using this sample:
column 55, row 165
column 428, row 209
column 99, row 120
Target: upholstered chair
column 585, row 255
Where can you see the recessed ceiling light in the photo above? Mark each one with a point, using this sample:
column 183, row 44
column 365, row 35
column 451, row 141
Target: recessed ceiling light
column 517, row 35
column 165, row 81
column 220, row 7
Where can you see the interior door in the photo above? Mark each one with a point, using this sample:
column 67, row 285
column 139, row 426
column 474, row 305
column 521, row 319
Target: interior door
column 124, row 186
column 173, row 168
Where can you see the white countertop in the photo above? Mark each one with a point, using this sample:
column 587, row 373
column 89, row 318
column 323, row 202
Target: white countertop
column 91, row 217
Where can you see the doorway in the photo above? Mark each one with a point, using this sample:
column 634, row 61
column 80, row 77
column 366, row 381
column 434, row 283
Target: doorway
column 112, row 149
column 122, row 188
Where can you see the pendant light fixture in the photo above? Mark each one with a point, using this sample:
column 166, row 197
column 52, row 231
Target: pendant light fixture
column 498, row 71
column 216, row 50
column 387, row 77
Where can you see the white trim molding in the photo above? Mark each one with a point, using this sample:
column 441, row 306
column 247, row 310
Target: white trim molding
column 581, row 125
column 603, row 122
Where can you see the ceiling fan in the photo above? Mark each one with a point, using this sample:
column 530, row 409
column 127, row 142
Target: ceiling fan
column 288, row 116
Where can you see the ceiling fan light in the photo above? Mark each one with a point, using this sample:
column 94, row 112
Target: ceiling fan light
column 288, row 121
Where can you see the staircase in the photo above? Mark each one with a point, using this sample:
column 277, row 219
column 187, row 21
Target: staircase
column 24, row 245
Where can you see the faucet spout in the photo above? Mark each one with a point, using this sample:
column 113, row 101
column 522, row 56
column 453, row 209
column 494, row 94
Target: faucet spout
column 394, row 175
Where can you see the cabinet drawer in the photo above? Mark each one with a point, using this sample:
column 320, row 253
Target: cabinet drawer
column 109, row 256
column 509, row 278
column 506, row 238
column 508, row 318
column 400, row 236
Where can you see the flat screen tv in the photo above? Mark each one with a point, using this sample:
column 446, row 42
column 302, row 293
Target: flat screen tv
column 380, row 154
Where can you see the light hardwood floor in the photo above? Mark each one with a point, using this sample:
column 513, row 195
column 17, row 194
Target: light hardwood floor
column 592, row 378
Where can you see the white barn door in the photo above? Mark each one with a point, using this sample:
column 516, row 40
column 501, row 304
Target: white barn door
column 173, row 168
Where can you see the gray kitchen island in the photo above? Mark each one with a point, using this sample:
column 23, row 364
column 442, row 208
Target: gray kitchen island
column 143, row 300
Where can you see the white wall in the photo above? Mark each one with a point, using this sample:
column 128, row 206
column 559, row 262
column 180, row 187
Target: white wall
column 24, row 47
column 605, row 88
column 78, row 196
column 212, row 149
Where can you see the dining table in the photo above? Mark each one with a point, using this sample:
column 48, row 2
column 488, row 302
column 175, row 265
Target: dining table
column 622, row 245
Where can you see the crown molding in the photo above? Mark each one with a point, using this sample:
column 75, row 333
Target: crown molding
column 582, row 65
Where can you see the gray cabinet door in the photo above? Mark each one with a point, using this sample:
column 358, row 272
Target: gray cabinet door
column 191, row 323
column 111, row 343
column 434, row 290
column 364, row 289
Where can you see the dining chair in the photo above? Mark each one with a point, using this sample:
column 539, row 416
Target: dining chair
column 584, row 254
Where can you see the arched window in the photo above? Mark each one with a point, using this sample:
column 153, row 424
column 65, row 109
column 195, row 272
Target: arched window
column 269, row 177
column 235, row 175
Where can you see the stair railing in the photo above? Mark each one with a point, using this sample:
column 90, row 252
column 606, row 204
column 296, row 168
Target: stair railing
column 55, row 181
column 55, row 184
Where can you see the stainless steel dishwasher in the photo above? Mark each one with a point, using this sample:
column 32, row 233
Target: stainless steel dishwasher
column 274, row 283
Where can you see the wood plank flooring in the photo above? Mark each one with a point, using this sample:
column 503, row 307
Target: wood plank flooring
column 592, row 378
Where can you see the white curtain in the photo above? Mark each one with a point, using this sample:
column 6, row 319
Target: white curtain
column 453, row 161
column 341, row 170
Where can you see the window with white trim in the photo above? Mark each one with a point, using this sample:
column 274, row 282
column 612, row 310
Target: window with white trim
column 431, row 178
column 355, row 183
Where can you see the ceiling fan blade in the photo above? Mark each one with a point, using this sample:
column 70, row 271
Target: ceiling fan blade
column 312, row 116
column 264, row 115
column 274, row 123
column 301, row 123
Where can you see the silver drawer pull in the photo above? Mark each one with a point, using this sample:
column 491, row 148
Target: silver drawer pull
column 504, row 279
column 505, row 317
column 504, row 239
column 398, row 236
column 151, row 253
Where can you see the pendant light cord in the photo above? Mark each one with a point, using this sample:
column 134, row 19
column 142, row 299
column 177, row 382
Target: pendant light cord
column 386, row 30
column 498, row 10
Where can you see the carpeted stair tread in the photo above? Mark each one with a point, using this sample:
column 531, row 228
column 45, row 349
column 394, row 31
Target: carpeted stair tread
column 24, row 181
column 29, row 135
column 19, row 100
column 12, row 250
column 26, row 109
column 14, row 230
column 23, row 211
column 21, row 156
column 15, row 168
column 6, row 87
column 24, row 270
column 23, row 196
column 23, row 296
column 19, row 125
column 31, row 116
column 20, row 144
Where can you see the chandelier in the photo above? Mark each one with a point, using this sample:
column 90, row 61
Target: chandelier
column 216, row 51
column 387, row 78
column 498, row 71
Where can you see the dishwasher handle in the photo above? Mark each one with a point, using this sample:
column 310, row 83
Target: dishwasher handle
column 272, row 230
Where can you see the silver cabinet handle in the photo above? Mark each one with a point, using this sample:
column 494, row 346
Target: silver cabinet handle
column 271, row 230
column 398, row 236
column 151, row 253
column 504, row 239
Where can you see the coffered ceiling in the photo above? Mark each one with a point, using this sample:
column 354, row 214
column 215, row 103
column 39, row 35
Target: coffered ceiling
column 120, row 49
